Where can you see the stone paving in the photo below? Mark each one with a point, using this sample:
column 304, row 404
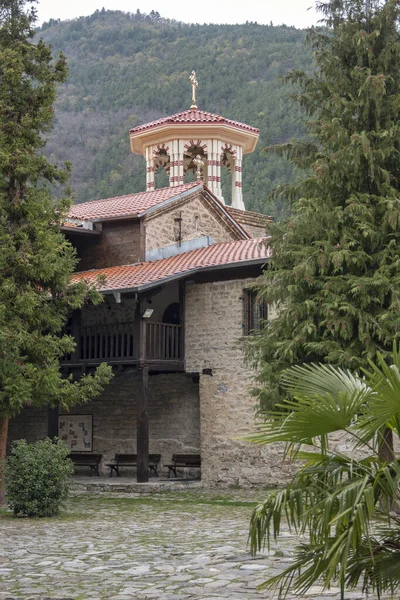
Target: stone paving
column 168, row 545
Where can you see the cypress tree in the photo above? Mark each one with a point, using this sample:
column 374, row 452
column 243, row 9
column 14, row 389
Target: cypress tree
column 335, row 273
column 36, row 261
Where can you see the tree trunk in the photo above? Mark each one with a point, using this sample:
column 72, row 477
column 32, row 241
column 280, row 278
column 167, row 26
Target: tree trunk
column 386, row 454
column 386, row 449
column 3, row 449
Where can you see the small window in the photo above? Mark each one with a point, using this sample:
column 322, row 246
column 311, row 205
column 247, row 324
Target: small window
column 255, row 312
column 178, row 228
column 196, row 223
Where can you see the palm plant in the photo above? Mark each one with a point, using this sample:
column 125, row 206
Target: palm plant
column 344, row 503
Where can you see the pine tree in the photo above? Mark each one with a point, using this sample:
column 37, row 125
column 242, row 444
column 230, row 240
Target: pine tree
column 335, row 273
column 36, row 261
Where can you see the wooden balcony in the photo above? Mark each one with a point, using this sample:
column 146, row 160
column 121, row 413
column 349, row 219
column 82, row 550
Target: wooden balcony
column 163, row 341
column 120, row 344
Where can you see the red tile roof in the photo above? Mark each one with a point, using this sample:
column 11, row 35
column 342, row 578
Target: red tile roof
column 151, row 272
column 129, row 205
column 194, row 116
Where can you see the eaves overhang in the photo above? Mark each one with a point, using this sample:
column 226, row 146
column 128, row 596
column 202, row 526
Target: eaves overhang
column 80, row 230
column 140, row 140
column 185, row 275
column 88, row 223
column 138, row 215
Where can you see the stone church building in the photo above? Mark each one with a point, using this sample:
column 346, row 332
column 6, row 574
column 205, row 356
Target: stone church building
column 176, row 266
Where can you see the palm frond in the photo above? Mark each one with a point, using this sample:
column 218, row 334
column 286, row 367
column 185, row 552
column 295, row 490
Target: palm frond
column 377, row 567
column 384, row 403
column 307, row 569
column 334, row 498
column 302, row 419
column 319, row 379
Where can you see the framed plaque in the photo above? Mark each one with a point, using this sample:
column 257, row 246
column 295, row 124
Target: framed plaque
column 76, row 431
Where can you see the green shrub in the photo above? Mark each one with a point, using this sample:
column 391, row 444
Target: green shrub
column 37, row 477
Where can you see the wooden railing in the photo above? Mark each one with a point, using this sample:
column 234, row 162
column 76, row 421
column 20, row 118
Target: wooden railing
column 106, row 342
column 163, row 341
column 116, row 343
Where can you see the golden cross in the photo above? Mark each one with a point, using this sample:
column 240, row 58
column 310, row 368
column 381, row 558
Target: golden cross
column 195, row 85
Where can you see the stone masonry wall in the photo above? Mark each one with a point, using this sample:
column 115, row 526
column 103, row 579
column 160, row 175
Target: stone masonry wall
column 197, row 219
column 30, row 425
column 215, row 314
column 254, row 223
column 254, row 231
column 173, row 416
column 117, row 244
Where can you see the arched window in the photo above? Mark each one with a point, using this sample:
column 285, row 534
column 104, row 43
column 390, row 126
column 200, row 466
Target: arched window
column 192, row 150
column 171, row 314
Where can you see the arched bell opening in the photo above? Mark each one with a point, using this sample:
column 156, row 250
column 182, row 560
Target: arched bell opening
column 161, row 177
column 231, row 175
column 190, row 167
column 161, row 168
column 228, row 158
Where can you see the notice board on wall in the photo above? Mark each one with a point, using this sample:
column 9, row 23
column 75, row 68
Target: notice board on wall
column 76, row 431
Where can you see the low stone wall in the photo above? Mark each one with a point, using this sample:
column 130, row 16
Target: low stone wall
column 174, row 420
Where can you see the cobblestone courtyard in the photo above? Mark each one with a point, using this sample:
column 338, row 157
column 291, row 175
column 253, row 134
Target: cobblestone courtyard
column 170, row 545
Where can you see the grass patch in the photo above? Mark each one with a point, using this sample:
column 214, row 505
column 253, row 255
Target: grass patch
column 86, row 507
column 161, row 498
column 5, row 513
column 64, row 515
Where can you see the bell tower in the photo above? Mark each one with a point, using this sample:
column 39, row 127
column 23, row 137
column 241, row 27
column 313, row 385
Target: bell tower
column 199, row 141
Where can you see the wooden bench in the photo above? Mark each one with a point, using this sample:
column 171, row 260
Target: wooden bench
column 130, row 460
column 86, row 459
column 183, row 460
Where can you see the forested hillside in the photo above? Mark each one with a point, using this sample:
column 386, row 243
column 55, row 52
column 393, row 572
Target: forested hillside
column 129, row 69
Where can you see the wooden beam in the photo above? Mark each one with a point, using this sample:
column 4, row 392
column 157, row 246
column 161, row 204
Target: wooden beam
column 142, row 426
column 136, row 331
column 142, row 337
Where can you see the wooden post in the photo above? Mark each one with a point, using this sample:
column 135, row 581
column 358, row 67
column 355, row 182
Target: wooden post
column 142, row 405
column 142, row 426
column 182, row 298
column 52, row 422
column 137, row 332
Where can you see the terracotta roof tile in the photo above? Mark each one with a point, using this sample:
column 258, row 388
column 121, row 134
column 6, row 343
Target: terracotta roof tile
column 135, row 276
column 194, row 116
column 129, row 205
